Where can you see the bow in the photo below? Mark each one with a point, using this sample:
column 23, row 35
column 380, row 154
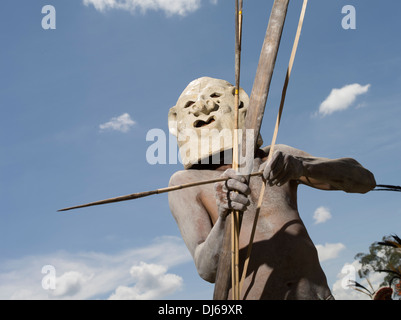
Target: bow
column 253, row 121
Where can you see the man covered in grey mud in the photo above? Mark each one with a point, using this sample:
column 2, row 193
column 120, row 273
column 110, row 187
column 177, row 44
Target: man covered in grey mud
column 284, row 262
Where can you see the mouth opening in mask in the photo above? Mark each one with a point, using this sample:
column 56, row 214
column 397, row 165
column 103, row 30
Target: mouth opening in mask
column 201, row 123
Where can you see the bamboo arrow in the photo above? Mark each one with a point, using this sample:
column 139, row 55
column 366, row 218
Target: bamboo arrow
column 138, row 195
column 235, row 215
column 132, row 196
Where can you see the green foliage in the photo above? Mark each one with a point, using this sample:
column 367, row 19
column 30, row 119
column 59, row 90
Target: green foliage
column 380, row 257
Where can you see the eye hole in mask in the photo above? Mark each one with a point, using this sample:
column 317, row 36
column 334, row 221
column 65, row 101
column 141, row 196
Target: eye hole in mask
column 215, row 95
column 188, row 104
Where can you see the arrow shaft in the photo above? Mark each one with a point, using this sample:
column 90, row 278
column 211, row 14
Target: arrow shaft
column 152, row 192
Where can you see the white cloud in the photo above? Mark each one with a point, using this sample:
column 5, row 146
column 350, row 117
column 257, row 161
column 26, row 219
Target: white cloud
column 91, row 275
column 152, row 282
column 341, row 289
column 322, row 214
column 70, row 283
column 341, row 99
column 170, row 7
column 122, row 123
column 329, row 251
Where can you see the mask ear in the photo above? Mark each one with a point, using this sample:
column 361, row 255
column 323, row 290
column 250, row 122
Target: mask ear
column 244, row 98
column 243, row 104
column 172, row 121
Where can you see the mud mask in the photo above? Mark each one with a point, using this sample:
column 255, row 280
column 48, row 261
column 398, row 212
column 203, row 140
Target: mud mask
column 203, row 119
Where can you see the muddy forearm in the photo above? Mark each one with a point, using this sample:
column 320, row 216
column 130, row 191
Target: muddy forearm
column 230, row 195
column 340, row 174
column 206, row 255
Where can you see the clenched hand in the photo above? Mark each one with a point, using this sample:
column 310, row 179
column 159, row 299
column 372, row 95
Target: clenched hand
column 282, row 168
column 231, row 194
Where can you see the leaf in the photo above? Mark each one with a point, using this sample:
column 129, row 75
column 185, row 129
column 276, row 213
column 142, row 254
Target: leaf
column 389, row 244
column 391, row 271
column 358, row 285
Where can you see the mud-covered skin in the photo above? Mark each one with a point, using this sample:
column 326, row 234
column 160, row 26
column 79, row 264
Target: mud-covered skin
column 284, row 262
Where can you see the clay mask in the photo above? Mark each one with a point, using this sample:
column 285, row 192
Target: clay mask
column 203, row 119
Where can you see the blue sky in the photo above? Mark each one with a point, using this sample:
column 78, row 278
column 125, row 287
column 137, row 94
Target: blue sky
column 78, row 101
